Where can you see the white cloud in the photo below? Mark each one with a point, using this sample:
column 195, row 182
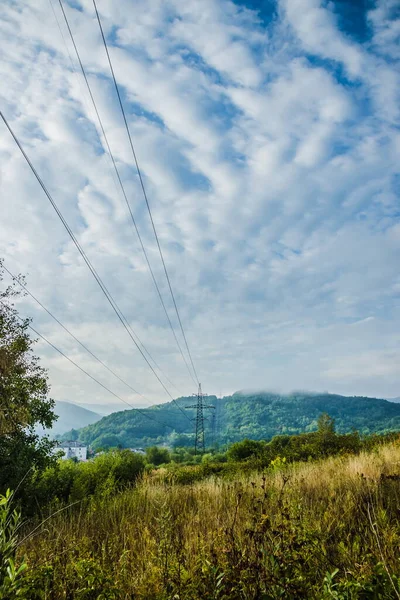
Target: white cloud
column 385, row 21
column 272, row 180
column 317, row 29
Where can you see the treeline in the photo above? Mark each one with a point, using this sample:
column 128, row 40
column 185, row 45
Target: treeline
column 109, row 472
column 260, row 453
column 182, row 466
column 254, row 416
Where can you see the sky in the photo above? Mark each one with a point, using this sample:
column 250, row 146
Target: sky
column 267, row 133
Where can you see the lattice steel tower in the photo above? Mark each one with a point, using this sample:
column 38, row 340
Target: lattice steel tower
column 199, row 443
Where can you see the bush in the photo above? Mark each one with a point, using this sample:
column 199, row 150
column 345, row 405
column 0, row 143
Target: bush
column 245, row 449
column 69, row 481
column 157, row 456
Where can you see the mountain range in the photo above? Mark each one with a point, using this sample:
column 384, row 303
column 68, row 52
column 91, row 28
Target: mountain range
column 255, row 415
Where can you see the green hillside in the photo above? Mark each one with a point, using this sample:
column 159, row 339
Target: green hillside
column 242, row 415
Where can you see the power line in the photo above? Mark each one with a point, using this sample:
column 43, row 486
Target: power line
column 76, row 339
column 110, row 157
column 75, row 72
column 122, row 186
column 103, row 288
column 15, row 278
column 113, row 163
column 144, row 190
column 88, row 374
column 62, row 35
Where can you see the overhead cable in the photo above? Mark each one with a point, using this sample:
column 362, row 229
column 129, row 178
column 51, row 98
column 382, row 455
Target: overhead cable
column 83, row 345
column 141, row 411
column 102, row 286
column 16, row 279
column 75, row 72
column 144, row 191
column 133, row 220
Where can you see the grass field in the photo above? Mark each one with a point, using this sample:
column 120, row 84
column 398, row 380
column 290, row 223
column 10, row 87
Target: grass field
column 328, row 529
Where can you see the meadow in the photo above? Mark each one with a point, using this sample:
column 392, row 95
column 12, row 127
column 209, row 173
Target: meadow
column 322, row 529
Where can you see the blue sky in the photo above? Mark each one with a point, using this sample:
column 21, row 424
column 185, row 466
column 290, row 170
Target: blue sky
column 268, row 136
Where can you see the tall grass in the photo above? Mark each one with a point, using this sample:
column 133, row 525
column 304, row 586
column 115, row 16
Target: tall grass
column 314, row 530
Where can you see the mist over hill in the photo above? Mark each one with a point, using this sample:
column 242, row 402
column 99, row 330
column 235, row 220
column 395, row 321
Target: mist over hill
column 255, row 415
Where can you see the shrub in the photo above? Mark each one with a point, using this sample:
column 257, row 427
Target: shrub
column 69, row 481
column 245, row 449
column 157, row 456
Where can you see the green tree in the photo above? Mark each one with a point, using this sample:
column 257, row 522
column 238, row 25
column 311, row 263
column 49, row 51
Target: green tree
column 24, row 402
column 245, row 449
column 157, row 456
column 326, row 425
column 326, row 434
column 74, row 435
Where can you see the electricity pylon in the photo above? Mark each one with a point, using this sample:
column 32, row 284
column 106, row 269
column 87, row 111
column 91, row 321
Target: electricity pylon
column 199, row 443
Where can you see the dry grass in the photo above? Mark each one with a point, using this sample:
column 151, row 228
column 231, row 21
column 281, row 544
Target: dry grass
column 260, row 536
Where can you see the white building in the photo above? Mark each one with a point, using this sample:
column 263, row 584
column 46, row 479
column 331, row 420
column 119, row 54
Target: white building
column 72, row 450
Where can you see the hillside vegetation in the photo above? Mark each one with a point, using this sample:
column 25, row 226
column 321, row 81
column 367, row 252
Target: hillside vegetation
column 316, row 530
column 255, row 416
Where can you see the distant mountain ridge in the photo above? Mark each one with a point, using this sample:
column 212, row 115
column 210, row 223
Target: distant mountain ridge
column 256, row 415
column 70, row 416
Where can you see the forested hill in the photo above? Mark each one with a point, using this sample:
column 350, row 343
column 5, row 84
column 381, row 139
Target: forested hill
column 242, row 415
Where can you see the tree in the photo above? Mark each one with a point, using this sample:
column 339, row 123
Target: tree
column 74, row 435
column 24, row 402
column 326, row 425
column 157, row 456
column 327, row 439
column 245, row 449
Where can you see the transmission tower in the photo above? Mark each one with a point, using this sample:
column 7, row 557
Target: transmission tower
column 199, row 443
